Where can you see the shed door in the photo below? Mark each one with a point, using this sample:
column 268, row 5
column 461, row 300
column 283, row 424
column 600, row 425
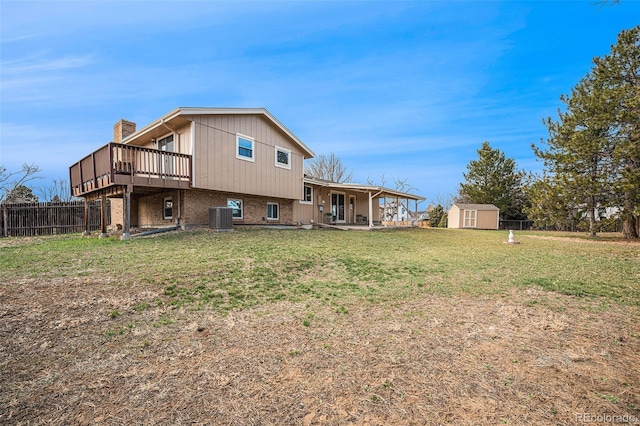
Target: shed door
column 470, row 217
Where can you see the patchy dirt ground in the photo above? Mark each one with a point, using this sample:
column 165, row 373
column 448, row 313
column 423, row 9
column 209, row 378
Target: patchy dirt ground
column 527, row 357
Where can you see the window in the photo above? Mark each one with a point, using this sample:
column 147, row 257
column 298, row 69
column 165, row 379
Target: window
column 307, row 195
column 337, row 206
column 273, row 211
column 166, row 143
column 283, row 158
column 236, row 205
column 168, row 208
column 245, row 148
column 470, row 218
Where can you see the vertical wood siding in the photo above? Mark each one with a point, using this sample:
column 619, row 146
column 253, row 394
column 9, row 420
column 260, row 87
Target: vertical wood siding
column 217, row 168
column 487, row 219
column 455, row 218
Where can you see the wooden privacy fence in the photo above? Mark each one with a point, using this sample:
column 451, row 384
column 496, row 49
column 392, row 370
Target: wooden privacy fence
column 28, row 219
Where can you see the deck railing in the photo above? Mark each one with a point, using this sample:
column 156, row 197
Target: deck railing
column 118, row 164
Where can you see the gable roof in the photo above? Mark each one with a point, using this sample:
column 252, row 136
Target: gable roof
column 179, row 116
column 463, row 206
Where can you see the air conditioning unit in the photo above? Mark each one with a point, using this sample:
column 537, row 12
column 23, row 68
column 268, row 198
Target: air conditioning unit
column 221, row 218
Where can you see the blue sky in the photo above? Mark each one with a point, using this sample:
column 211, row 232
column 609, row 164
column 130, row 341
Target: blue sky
column 408, row 90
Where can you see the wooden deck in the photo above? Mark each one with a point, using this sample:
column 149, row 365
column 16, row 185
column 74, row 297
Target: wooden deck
column 116, row 165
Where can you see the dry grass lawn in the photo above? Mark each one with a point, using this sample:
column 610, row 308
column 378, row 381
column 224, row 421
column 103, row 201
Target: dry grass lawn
column 386, row 328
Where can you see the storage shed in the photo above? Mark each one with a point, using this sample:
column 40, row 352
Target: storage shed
column 474, row 216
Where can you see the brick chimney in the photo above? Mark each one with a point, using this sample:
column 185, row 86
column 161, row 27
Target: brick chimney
column 122, row 129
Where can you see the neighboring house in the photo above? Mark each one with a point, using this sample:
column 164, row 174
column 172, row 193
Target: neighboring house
column 171, row 171
column 396, row 211
column 478, row 216
column 423, row 215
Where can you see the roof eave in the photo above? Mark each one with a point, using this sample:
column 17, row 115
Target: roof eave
column 363, row 188
column 182, row 111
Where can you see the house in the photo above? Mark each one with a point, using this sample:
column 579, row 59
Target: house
column 423, row 215
column 345, row 203
column 171, row 171
column 478, row 216
column 396, row 211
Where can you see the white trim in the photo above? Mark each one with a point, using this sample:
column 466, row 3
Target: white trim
column 470, row 218
column 253, row 148
column 304, row 192
column 184, row 111
column 193, row 154
column 241, row 207
column 288, row 152
column 270, row 203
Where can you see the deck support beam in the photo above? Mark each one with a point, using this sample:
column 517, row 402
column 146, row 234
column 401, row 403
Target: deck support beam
column 86, row 217
column 126, row 207
column 103, row 215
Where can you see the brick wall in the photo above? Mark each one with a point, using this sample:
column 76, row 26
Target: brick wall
column 150, row 209
column 117, row 212
column 197, row 203
column 117, row 217
column 122, row 129
column 191, row 208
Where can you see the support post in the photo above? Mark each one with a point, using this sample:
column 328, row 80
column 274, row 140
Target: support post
column 86, row 217
column 384, row 210
column 103, row 216
column 126, row 207
column 370, row 210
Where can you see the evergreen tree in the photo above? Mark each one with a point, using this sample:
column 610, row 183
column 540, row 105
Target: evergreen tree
column 579, row 154
column 594, row 148
column 435, row 215
column 493, row 179
column 549, row 207
column 619, row 74
column 21, row 194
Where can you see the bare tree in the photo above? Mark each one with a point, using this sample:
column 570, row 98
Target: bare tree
column 445, row 200
column 402, row 185
column 383, row 181
column 328, row 167
column 58, row 191
column 9, row 181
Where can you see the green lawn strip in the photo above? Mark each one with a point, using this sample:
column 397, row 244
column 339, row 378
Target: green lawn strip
column 223, row 271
